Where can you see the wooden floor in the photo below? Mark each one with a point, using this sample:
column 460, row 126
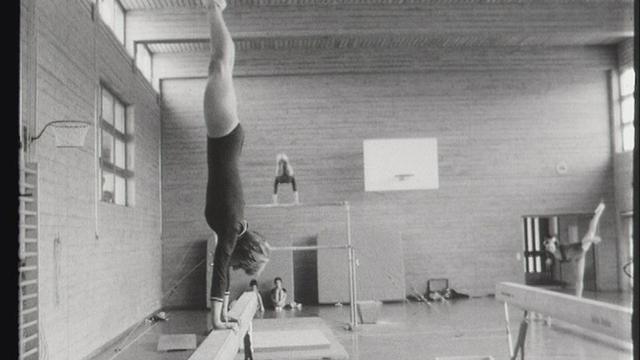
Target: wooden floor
column 406, row 331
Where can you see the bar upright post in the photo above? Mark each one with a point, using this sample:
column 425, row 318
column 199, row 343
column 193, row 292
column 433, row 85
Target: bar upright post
column 353, row 298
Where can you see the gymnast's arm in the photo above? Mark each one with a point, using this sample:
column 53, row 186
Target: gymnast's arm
column 220, row 104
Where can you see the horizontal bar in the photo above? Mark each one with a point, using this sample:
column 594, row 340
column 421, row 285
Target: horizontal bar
column 28, row 296
column 30, row 352
column 27, row 339
column 306, row 248
column 29, row 311
column 27, row 185
column 28, row 282
column 261, row 206
column 24, row 326
column 28, row 171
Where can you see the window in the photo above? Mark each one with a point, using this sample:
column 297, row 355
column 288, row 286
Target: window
column 112, row 14
column 535, row 229
column 627, row 108
column 116, row 151
column 143, row 60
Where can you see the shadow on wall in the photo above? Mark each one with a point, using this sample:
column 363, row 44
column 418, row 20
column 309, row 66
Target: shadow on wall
column 189, row 276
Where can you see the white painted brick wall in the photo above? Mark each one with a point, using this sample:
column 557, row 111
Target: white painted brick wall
column 500, row 135
column 97, row 288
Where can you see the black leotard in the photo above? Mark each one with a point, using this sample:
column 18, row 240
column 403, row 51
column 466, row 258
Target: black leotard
column 224, row 210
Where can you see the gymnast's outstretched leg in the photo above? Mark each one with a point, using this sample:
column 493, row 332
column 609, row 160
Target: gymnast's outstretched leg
column 590, row 237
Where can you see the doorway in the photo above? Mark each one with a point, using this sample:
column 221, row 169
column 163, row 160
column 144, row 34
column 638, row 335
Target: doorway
column 305, row 272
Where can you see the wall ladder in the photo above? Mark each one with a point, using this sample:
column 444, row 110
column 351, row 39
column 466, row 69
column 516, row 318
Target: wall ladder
column 28, row 263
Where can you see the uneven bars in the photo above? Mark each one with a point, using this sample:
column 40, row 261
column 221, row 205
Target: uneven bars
column 351, row 258
column 306, row 248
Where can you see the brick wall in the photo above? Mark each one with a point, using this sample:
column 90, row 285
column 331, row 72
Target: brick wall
column 92, row 288
column 500, row 135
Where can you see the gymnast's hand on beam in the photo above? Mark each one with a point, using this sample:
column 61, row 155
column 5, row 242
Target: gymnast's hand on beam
column 229, row 319
column 221, row 325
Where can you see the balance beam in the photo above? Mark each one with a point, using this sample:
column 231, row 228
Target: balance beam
column 602, row 318
column 224, row 344
column 608, row 319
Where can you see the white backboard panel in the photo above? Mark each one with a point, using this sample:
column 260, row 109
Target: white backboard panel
column 400, row 164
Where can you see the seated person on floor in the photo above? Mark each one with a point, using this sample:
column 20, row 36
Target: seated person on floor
column 278, row 295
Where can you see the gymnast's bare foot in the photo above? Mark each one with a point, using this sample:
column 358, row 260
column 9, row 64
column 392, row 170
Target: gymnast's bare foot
column 600, row 208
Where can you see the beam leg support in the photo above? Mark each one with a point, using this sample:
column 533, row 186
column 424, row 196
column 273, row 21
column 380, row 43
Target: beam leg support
column 507, row 324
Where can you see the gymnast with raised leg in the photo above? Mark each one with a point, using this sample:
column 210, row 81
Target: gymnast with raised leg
column 236, row 246
column 575, row 252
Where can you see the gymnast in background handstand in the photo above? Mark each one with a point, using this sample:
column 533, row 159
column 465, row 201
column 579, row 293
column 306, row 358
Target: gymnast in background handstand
column 284, row 175
column 575, row 252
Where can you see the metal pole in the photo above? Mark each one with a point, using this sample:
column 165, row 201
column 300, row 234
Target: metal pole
column 289, row 205
column 352, row 271
column 306, row 248
column 506, row 318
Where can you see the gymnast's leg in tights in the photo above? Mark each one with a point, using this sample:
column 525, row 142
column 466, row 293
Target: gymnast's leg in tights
column 590, row 237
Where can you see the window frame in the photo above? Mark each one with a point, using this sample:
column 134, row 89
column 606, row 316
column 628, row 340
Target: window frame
column 624, row 147
column 126, row 137
column 145, row 69
column 119, row 33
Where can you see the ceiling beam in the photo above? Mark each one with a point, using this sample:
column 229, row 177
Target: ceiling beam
column 561, row 23
column 336, row 61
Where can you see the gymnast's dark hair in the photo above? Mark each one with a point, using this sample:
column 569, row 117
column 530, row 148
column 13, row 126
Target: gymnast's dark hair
column 251, row 253
column 253, row 282
column 276, row 279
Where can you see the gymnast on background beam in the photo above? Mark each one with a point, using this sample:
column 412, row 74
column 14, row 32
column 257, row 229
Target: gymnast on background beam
column 236, row 246
column 575, row 252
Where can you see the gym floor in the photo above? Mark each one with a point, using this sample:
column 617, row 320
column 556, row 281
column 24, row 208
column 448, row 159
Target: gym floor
column 408, row 330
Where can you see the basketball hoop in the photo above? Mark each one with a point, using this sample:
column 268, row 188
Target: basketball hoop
column 68, row 133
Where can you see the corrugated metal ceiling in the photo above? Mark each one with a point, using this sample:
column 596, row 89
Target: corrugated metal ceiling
column 375, row 41
column 162, row 4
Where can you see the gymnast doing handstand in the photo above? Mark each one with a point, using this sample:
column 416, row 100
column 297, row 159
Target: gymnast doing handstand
column 236, row 246
column 284, row 175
